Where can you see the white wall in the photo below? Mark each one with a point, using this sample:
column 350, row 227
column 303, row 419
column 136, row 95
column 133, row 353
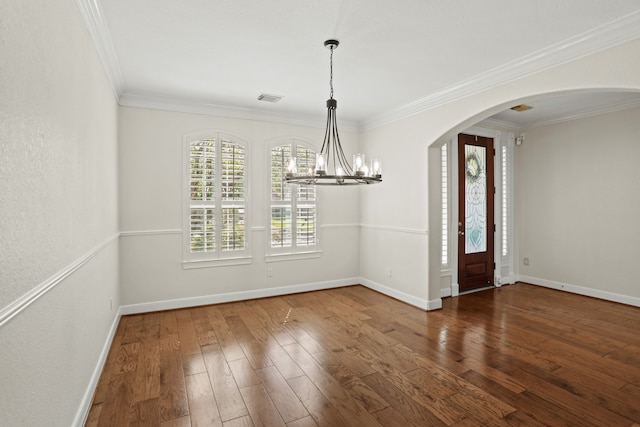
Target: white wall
column 58, row 212
column 394, row 213
column 151, row 191
column 403, row 147
column 578, row 205
column 59, row 203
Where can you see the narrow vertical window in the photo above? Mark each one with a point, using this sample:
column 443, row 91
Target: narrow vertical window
column 505, row 200
column 293, row 208
column 445, row 204
column 216, row 200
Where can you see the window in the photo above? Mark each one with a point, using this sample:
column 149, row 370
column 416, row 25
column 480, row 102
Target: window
column 444, row 193
column 216, row 195
column 505, row 169
column 293, row 208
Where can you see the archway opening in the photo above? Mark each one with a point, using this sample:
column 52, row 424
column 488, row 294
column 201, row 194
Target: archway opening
column 483, row 120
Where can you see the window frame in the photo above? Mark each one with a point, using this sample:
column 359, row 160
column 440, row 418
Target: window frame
column 295, row 251
column 217, row 257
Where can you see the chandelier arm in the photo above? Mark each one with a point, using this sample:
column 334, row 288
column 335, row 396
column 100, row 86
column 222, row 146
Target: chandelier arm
column 325, row 141
column 336, row 150
column 327, row 154
column 341, row 156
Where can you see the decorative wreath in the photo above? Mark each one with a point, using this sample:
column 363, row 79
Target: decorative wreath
column 473, row 167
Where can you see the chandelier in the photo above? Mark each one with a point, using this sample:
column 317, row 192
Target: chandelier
column 332, row 166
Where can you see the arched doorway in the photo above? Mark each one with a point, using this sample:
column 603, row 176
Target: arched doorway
column 437, row 281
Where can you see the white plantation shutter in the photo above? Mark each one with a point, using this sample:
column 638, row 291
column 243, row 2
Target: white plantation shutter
column 305, row 159
column 306, row 226
column 233, row 195
column 281, row 221
column 202, row 196
column 305, row 202
column 444, row 193
column 217, row 198
column 506, row 178
column 293, row 220
column 280, row 155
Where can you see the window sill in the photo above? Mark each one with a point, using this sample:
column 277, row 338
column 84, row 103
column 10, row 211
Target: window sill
column 292, row 256
column 210, row 263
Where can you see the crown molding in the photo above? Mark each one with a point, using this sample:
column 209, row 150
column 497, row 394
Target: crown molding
column 606, row 36
column 174, row 104
column 97, row 26
column 614, row 33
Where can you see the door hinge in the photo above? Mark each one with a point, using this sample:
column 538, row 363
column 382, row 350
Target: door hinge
column 494, row 266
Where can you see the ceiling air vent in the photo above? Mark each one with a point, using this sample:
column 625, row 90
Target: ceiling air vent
column 269, row 98
column 521, row 107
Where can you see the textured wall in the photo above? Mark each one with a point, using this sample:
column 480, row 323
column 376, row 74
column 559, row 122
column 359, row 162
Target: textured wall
column 57, row 155
column 58, row 201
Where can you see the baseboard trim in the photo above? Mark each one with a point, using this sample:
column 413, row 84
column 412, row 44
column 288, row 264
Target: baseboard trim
column 401, row 296
column 455, row 290
column 85, row 404
column 507, row 280
column 234, row 296
column 435, row 304
column 284, row 290
column 581, row 290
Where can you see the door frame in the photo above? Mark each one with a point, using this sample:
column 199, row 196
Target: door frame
column 486, row 257
column 454, row 202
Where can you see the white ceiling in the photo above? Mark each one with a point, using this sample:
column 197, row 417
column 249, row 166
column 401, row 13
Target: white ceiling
column 394, row 57
column 554, row 109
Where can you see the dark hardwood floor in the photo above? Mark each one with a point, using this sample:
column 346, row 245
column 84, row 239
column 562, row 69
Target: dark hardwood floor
column 519, row 355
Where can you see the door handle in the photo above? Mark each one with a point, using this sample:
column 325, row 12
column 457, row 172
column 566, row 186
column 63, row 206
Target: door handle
column 460, row 233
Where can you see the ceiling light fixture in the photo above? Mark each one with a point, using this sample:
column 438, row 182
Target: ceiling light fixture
column 331, row 166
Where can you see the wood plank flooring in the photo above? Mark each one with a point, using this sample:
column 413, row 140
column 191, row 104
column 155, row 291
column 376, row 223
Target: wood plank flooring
column 519, row 355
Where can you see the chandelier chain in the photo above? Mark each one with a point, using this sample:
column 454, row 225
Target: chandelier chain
column 331, row 73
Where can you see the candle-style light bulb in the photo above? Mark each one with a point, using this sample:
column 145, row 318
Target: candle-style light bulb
column 292, row 168
column 376, row 168
column 320, row 164
column 358, row 163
